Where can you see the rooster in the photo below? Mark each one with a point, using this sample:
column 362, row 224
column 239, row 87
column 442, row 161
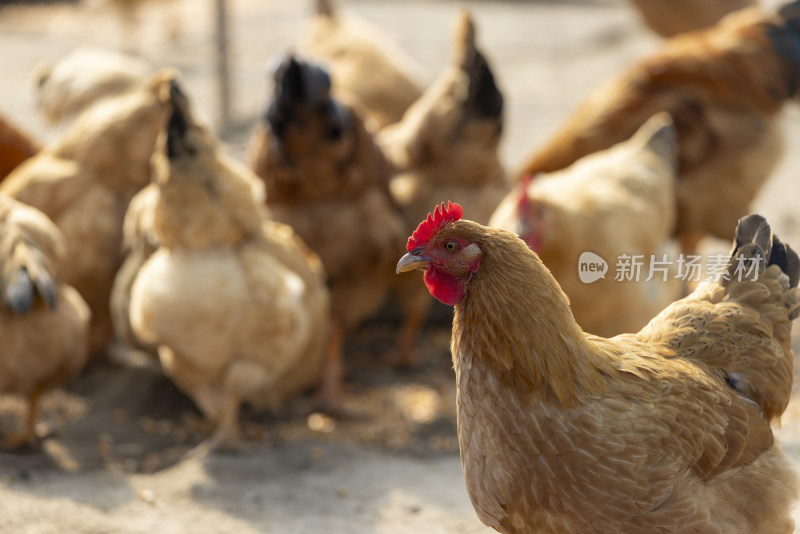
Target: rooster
column 665, row 430
column 724, row 88
column 235, row 302
column 44, row 323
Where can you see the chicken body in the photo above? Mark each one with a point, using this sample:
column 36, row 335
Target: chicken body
column 15, row 147
column 723, row 88
column 84, row 183
column 663, row 431
column 671, row 17
column 363, row 63
column 44, row 323
column 327, row 179
column 85, row 77
column 446, row 146
column 235, row 302
column 614, row 202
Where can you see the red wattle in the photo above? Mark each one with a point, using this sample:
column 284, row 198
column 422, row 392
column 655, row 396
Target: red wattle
column 444, row 288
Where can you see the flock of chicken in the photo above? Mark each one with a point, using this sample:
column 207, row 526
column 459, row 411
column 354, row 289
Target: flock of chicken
column 136, row 232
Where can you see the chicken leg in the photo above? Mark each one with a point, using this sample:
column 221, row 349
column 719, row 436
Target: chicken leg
column 415, row 312
column 227, row 435
column 27, row 436
column 329, row 395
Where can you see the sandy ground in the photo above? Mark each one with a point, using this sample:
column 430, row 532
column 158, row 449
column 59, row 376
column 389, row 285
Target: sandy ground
column 391, row 466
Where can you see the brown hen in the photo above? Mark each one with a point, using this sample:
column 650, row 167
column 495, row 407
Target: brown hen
column 84, row 181
column 326, row 178
column 44, row 322
column 447, row 146
column 235, row 302
column 724, row 87
column 662, row 431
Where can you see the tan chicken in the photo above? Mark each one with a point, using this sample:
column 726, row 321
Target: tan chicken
column 44, row 323
column 84, row 181
column 327, row 179
column 662, row 431
column 139, row 242
column 724, row 88
column 235, row 302
column 15, row 147
column 84, row 77
column 614, row 203
column 364, row 63
column 671, row 17
column 447, row 146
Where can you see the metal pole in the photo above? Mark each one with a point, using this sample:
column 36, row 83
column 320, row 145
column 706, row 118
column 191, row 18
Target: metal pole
column 223, row 66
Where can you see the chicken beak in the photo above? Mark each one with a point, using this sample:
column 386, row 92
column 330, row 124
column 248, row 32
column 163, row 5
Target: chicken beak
column 412, row 260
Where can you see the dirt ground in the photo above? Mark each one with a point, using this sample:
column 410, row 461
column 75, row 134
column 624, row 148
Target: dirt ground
column 391, row 466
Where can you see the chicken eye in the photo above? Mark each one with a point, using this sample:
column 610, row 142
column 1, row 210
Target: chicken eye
column 450, row 246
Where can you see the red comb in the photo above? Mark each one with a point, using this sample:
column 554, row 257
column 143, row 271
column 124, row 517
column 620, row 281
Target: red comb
column 427, row 229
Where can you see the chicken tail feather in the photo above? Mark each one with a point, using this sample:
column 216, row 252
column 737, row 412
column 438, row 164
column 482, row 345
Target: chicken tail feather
column 25, row 278
column 485, row 100
column 785, row 38
column 754, row 240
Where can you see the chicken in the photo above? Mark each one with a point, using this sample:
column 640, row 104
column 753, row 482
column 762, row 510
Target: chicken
column 139, row 242
column 15, row 147
column 44, row 323
column 84, row 182
column 724, row 88
column 130, row 18
column 364, row 63
column 615, row 202
column 326, row 178
column 447, row 146
column 671, row 17
column 664, row 430
column 235, row 302
column 84, row 77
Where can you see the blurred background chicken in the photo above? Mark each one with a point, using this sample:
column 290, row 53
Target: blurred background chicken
column 363, row 62
column 84, row 77
column 724, row 88
column 666, row 430
column 447, row 147
column 44, row 323
column 671, row 17
column 131, row 19
column 84, row 181
column 235, row 302
column 139, row 242
column 617, row 201
column 15, row 147
column 327, row 178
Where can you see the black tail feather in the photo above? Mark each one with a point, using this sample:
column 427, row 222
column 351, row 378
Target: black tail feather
column 21, row 290
column 485, row 99
column 784, row 34
column 178, row 124
column 754, row 237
